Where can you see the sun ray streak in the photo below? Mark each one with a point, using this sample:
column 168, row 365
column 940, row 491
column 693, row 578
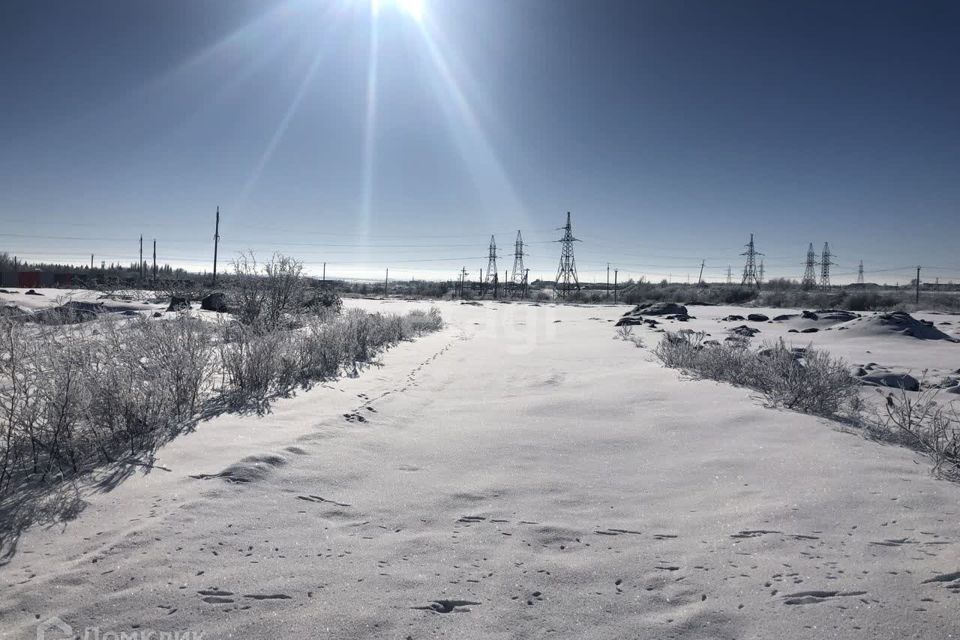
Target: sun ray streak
column 487, row 172
column 281, row 128
column 370, row 124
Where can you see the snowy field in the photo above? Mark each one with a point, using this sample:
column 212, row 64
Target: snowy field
column 520, row 474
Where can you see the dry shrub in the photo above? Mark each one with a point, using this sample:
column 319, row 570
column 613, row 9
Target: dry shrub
column 921, row 421
column 806, row 380
column 78, row 395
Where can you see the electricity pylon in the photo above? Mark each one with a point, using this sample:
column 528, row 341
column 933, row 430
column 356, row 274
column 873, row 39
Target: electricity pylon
column 492, row 261
column 750, row 267
column 729, row 275
column 809, row 273
column 567, row 270
column 519, row 273
column 860, row 275
column 825, row 263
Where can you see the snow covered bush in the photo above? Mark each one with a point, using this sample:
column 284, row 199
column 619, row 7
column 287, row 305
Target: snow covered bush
column 807, row 380
column 923, row 422
column 73, row 396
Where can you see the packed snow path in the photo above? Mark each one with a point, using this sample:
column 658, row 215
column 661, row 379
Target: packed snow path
column 521, row 474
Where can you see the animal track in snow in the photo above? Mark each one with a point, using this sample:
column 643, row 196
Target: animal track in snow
column 448, row 606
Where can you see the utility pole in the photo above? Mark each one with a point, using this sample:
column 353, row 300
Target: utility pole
column 608, row 280
column 140, row 264
column 700, row 278
column 567, row 269
column 386, row 283
column 516, row 279
column 492, row 262
column 463, row 280
column 760, row 274
column 809, row 280
column 917, row 301
column 324, row 278
column 729, row 275
column 91, row 262
column 750, row 268
column 825, row 262
column 216, row 243
column 615, row 272
column 154, row 263
column 526, row 280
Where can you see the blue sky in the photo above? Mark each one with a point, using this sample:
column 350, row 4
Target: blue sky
column 403, row 134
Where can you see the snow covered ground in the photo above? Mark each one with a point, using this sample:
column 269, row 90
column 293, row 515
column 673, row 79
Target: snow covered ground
column 520, row 474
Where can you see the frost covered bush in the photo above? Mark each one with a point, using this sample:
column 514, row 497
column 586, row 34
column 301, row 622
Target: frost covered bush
column 69, row 395
column 924, row 423
column 807, row 380
column 418, row 322
column 77, row 395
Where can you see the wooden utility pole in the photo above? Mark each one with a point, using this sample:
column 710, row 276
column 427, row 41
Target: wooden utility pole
column 526, row 282
column 154, row 263
column 700, row 278
column 918, row 285
column 615, row 272
column 216, row 243
column 608, row 280
column 324, row 272
column 140, row 265
column 386, row 283
column 91, row 262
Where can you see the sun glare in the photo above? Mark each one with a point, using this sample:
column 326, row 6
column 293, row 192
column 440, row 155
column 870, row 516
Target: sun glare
column 412, row 8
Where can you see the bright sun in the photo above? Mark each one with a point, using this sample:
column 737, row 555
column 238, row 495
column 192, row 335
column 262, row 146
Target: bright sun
column 413, row 8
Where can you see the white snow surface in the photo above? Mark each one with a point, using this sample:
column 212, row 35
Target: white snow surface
column 556, row 481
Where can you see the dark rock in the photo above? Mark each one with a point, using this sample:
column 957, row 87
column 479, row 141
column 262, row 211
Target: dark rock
column 809, row 315
column 895, row 380
column 837, row 315
column 31, row 292
column 757, row 317
column 809, row 330
column 157, row 314
column 745, row 331
column 216, row 301
column 629, row 320
column 658, row 309
column 733, row 318
column 793, row 331
column 178, row 304
column 786, row 316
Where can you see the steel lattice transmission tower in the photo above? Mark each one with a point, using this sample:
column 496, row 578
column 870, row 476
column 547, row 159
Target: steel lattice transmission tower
column 750, row 267
column 825, row 263
column 519, row 273
column 567, row 270
column 809, row 273
column 860, row 274
column 492, row 261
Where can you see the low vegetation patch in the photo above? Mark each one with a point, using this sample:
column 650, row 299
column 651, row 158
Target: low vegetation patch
column 807, row 380
column 77, row 395
column 812, row 381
